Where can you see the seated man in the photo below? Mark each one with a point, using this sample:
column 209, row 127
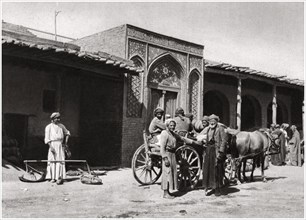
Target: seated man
column 156, row 126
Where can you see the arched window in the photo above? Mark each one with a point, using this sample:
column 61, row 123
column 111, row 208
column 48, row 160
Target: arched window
column 134, row 91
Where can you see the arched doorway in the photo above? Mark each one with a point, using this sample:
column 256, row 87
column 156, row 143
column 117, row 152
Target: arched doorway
column 250, row 113
column 216, row 103
column 281, row 113
column 193, row 92
column 165, row 85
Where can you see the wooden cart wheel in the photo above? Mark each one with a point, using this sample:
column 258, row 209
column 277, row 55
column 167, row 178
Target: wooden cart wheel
column 147, row 168
column 188, row 167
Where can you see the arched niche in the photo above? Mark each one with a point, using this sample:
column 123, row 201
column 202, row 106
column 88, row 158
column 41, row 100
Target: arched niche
column 215, row 102
column 281, row 113
column 250, row 113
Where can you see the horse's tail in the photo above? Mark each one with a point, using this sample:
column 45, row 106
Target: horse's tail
column 257, row 161
column 233, row 147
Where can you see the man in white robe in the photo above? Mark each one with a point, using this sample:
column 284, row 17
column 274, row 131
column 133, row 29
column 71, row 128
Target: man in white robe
column 56, row 136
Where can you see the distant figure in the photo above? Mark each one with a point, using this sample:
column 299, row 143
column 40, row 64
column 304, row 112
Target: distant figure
column 284, row 128
column 295, row 148
column 190, row 116
column 56, row 136
column 280, row 158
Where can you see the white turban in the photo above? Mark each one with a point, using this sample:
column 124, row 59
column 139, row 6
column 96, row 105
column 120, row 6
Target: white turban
column 55, row 115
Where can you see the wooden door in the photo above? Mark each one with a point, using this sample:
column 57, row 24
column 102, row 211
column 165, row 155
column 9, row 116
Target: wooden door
column 164, row 99
column 170, row 103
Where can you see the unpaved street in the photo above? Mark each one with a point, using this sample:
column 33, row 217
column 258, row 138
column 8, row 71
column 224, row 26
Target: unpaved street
column 121, row 196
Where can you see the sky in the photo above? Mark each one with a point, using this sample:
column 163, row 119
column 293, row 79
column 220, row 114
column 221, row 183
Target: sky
column 265, row 36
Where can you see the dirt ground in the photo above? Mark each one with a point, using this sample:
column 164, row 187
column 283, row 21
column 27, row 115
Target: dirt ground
column 121, row 196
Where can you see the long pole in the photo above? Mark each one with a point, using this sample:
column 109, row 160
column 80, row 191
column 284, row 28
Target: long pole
column 55, row 14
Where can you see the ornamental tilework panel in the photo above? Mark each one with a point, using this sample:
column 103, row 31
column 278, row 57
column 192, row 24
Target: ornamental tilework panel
column 195, row 62
column 193, row 93
column 181, row 58
column 164, row 74
column 166, row 41
column 133, row 96
column 137, row 48
column 154, row 52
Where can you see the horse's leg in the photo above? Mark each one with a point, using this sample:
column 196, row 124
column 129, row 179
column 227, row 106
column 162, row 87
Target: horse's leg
column 245, row 179
column 262, row 157
column 239, row 172
column 253, row 168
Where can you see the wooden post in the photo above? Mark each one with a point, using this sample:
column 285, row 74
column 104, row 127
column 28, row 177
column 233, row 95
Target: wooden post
column 239, row 101
column 274, row 106
column 303, row 116
column 163, row 99
column 59, row 78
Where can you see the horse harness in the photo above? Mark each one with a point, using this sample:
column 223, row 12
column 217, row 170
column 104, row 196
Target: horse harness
column 267, row 152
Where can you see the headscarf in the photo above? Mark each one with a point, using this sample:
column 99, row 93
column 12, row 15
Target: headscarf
column 55, row 115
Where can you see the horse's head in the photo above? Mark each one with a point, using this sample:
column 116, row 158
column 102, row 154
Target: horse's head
column 274, row 141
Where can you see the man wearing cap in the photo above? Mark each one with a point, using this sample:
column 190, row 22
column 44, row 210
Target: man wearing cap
column 56, row 136
column 214, row 156
column 157, row 125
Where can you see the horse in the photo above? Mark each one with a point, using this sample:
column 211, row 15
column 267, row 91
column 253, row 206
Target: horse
column 254, row 145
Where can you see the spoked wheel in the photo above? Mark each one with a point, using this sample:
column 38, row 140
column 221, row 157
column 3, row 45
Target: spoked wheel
column 188, row 167
column 146, row 168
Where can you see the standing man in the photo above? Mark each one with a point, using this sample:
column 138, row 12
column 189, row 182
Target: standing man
column 295, row 147
column 214, row 157
column 56, row 136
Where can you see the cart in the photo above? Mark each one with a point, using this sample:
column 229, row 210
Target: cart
column 147, row 164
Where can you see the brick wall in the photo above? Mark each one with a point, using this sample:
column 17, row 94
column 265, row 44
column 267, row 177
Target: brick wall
column 111, row 41
column 131, row 138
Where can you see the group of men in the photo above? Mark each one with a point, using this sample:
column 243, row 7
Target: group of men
column 210, row 134
column 290, row 145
